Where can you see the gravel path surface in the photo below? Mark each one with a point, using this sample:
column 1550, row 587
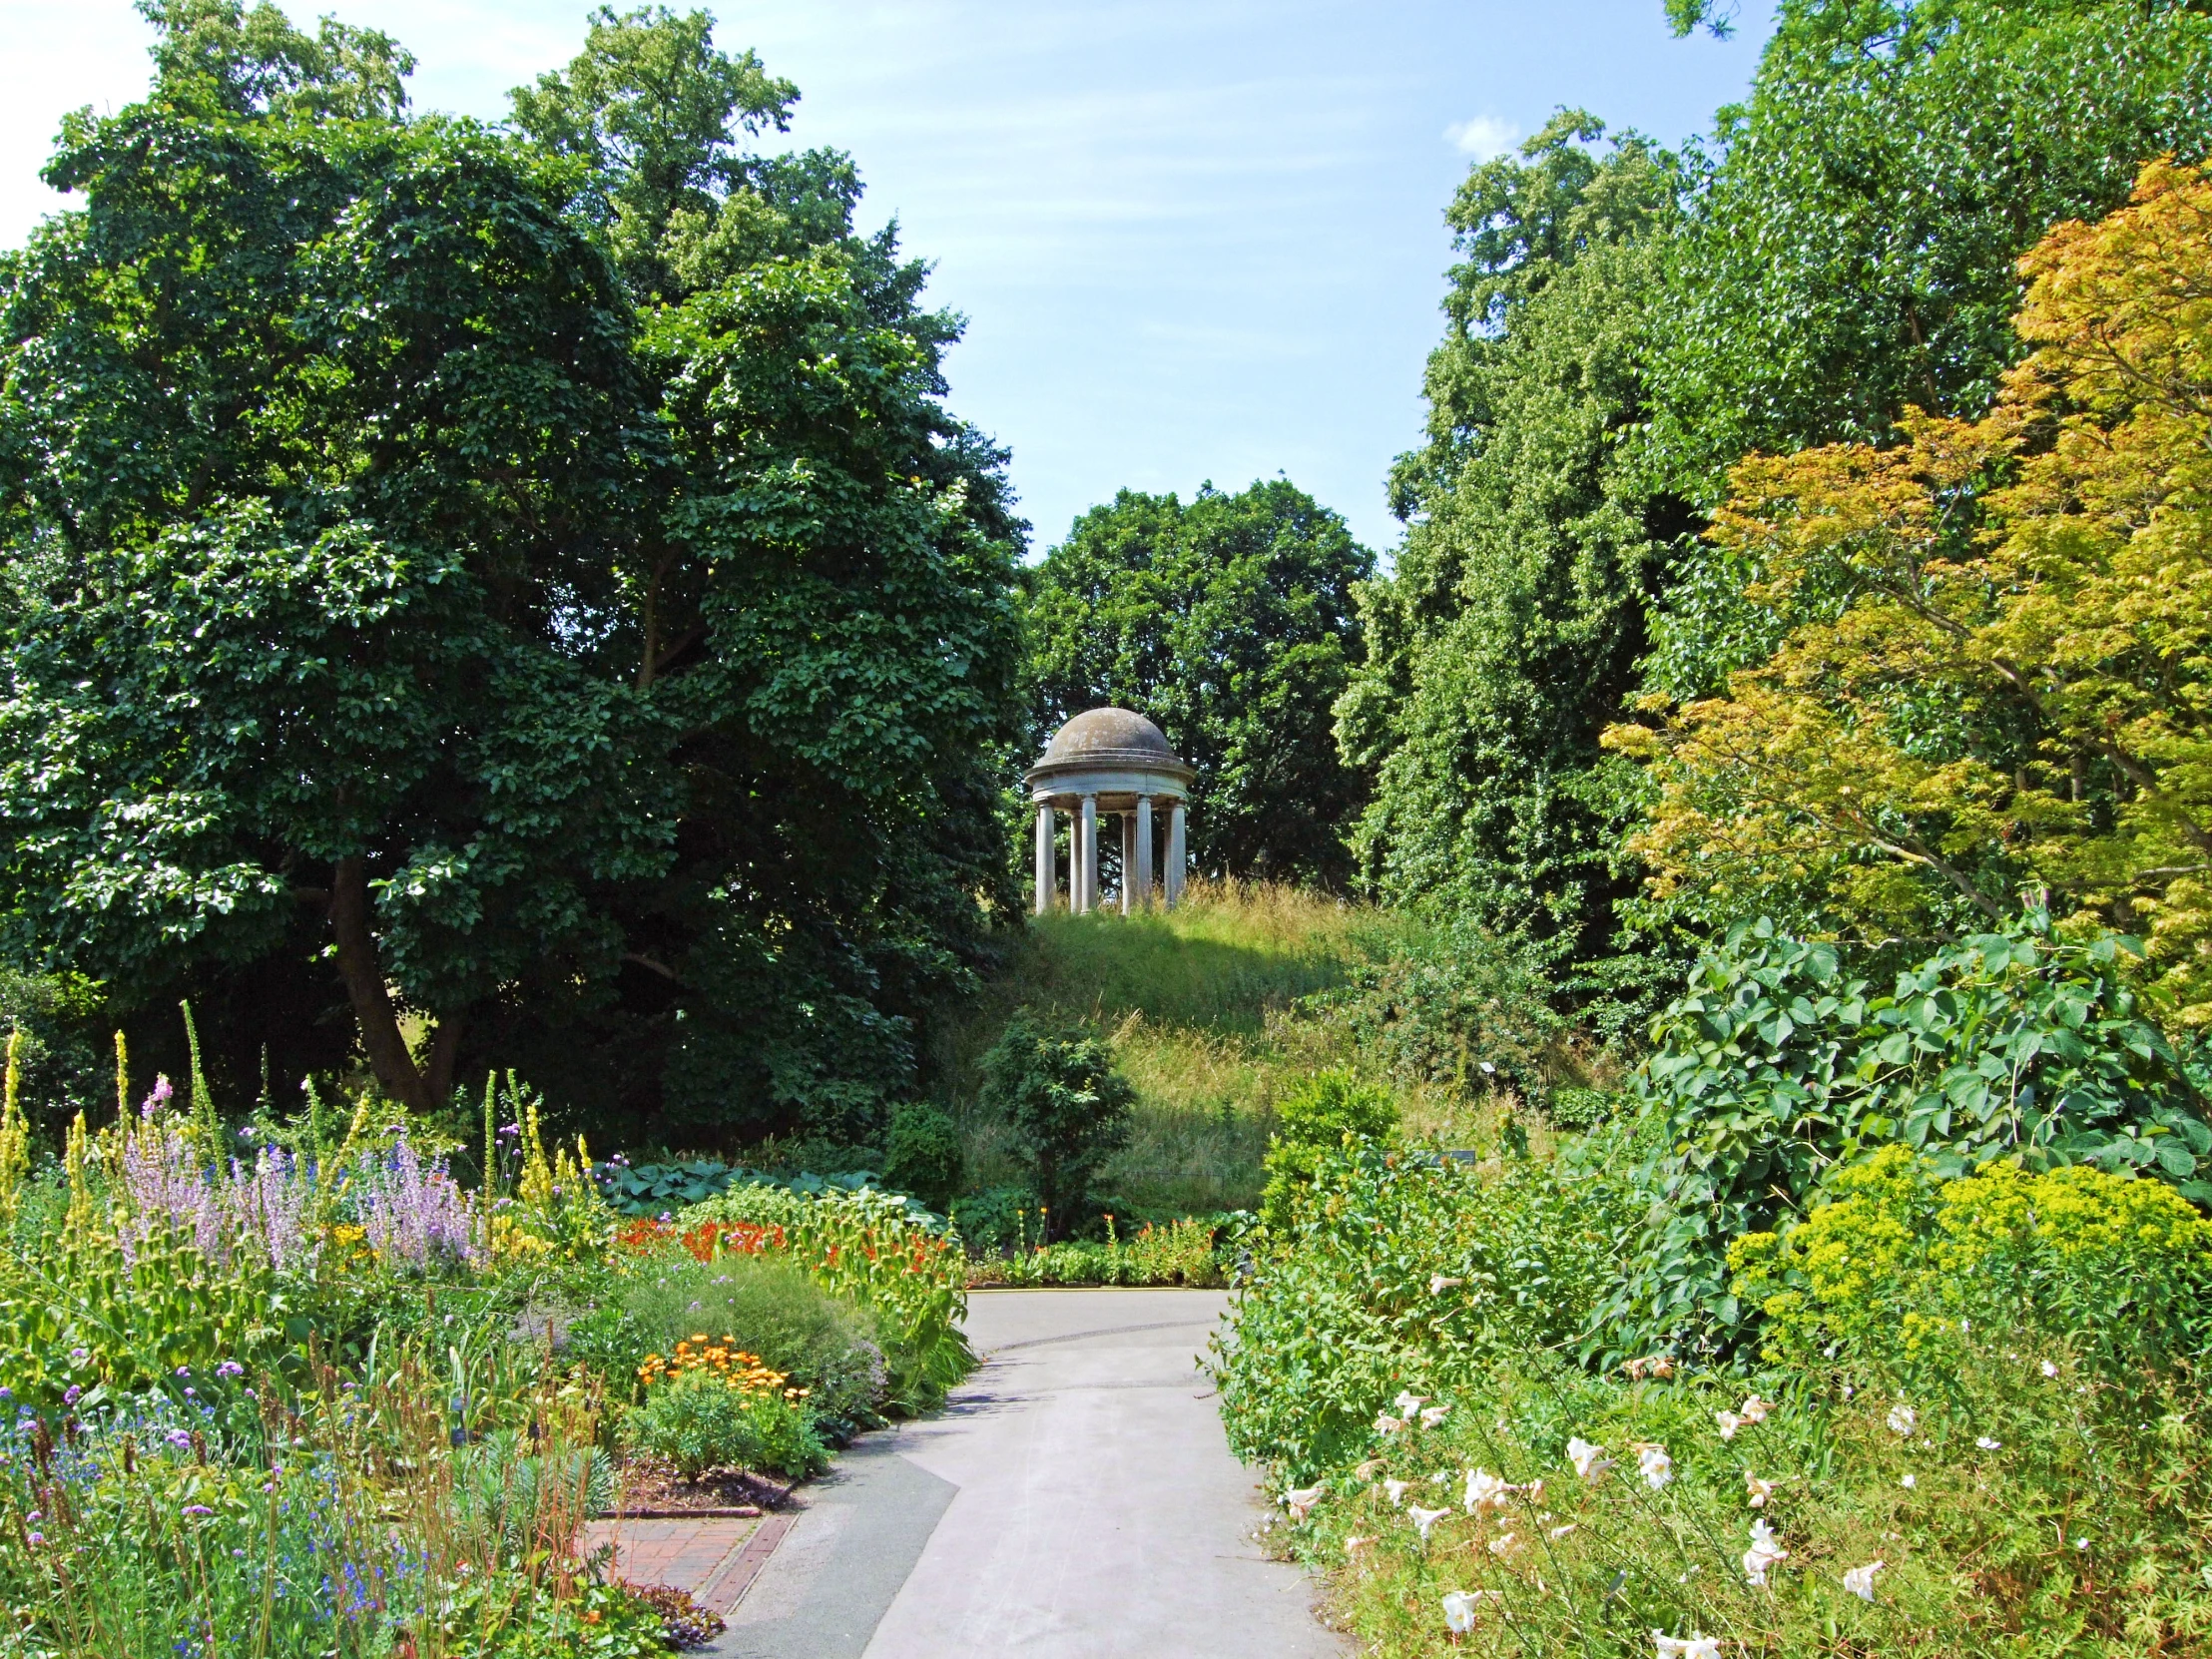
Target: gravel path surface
column 1075, row 1500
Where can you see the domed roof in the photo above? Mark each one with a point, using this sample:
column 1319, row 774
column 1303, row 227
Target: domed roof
column 1109, row 741
column 1109, row 737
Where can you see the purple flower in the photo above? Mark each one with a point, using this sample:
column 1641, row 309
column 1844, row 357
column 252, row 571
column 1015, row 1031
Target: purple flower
column 71, row 1395
column 191, row 1393
column 80, row 1356
column 37, row 1539
column 230, row 1367
column 198, row 1509
column 184, row 1370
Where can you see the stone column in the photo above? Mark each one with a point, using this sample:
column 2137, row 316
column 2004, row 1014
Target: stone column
column 1175, row 854
column 1128, row 863
column 1142, row 882
column 1087, row 867
column 1048, row 876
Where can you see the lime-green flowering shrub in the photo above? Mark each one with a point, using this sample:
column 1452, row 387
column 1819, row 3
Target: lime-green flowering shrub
column 1891, row 1276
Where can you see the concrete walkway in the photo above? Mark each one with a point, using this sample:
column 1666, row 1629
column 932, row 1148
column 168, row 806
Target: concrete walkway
column 1075, row 1500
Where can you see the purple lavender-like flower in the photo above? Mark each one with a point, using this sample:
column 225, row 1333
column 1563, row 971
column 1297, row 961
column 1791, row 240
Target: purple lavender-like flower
column 80, row 1356
column 230, row 1367
column 412, row 1211
column 72, row 1395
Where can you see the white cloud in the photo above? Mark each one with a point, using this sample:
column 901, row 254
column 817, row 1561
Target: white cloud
column 1484, row 137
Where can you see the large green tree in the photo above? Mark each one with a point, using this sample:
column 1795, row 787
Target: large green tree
column 1229, row 621
column 1505, row 638
column 1851, row 243
column 442, row 583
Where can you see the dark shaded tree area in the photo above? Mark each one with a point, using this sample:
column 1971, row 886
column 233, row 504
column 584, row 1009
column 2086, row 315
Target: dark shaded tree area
column 495, row 598
column 1229, row 620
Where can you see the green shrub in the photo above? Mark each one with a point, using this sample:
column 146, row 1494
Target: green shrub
column 1408, row 1270
column 922, row 1155
column 1455, row 1005
column 1311, row 1124
column 1056, row 1087
column 768, row 1307
column 696, row 1421
column 1891, row 1276
column 1776, row 1068
column 1581, row 1109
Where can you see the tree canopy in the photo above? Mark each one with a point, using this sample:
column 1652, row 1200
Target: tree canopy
column 1230, row 622
column 521, row 585
column 1505, row 638
column 1996, row 667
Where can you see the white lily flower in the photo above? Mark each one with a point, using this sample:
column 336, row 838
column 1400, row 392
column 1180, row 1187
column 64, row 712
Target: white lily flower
column 1753, row 1410
column 1303, row 1498
column 1763, row 1553
column 1439, row 1283
column 1459, row 1609
column 1485, row 1490
column 1562, row 1531
column 1686, row 1647
column 1395, row 1491
column 1859, row 1580
column 1757, row 1490
column 1729, row 1423
column 1432, row 1415
column 1651, row 1364
column 1353, row 1543
column 1408, row 1403
column 1426, row 1518
column 1505, row 1545
column 1590, row 1461
column 1901, row 1418
column 1652, row 1460
column 1385, row 1423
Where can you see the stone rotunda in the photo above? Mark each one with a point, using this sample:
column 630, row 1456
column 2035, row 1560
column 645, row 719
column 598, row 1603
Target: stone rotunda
column 1109, row 760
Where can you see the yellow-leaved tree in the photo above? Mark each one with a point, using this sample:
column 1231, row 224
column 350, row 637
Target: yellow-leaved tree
column 1995, row 673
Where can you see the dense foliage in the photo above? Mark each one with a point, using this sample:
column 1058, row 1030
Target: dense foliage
column 1778, row 1069
column 1991, row 658
column 1510, row 630
column 1230, row 622
column 613, row 645
column 1624, row 327
column 1056, row 1085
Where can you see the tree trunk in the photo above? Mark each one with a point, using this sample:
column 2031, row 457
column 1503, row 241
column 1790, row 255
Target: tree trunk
column 446, row 1048
column 364, row 987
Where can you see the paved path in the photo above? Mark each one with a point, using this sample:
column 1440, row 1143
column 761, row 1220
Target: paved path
column 1075, row 1500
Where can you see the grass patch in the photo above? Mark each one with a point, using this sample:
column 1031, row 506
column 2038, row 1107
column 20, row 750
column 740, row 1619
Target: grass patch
column 1197, row 1003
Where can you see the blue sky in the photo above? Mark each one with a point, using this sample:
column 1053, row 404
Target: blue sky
column 1194, row 240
